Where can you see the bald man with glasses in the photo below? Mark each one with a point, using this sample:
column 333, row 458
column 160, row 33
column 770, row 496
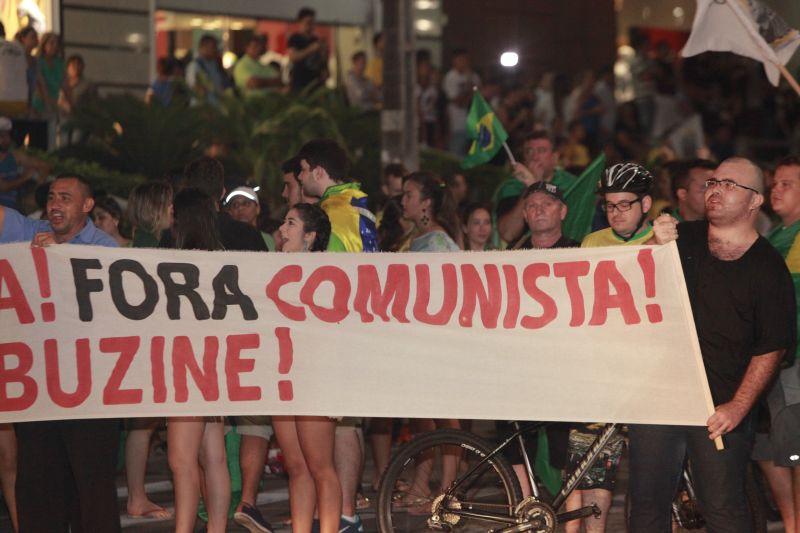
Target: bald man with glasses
column 743, row 303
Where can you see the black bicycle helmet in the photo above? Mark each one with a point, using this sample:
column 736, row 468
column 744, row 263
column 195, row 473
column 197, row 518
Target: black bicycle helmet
column 626, row 177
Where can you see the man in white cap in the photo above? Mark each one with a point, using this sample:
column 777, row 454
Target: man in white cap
column 243, row 205
column 16, row 167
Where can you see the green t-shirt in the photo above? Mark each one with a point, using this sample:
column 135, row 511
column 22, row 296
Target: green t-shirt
column 785, row 240
column 246, row 68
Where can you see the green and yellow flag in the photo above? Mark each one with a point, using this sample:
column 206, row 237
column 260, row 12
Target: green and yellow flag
column 486, row 132
column 581, row 198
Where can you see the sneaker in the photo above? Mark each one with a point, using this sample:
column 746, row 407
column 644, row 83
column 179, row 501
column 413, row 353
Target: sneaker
column 250, row 518
column 351, row 526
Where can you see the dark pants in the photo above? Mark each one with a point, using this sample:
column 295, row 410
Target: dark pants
column 65, row 475
column 656, row 460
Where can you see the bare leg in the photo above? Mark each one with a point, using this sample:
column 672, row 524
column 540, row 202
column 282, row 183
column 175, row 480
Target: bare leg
column 183, row 444
column 420, row 486
column 8, row 470
column 381, row 438
column 137, row 448
column 580, row 498
column 573, row 501
column 302, row 492
column 347, row 458
column 450, row 455
column 524, row 482
column 316, row 436
column 796, row 492
column 252, row 457
column 780, row 483
column 217, row 480
column 602, row 498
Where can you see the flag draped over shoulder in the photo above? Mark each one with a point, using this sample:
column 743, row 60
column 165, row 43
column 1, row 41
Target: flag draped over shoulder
column 580, row 199
column 745, row 27
column 486, row 132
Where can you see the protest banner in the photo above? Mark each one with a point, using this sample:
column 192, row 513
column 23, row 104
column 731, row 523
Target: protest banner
column 601, row 334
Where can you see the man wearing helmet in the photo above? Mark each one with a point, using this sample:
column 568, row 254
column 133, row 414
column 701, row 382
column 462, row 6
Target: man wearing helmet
column 626, row 200
column 625, row 188
column 743, row 306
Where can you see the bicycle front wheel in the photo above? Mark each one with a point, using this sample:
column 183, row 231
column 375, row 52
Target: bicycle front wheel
column 411, row 496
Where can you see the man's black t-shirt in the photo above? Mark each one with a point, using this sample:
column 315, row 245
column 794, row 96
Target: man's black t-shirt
column 309, row 69
column 742, row 308
column 563, row 242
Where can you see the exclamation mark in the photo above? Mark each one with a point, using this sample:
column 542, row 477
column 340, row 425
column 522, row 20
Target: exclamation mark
column 43, row 275
column 285, row 358
column 649, row 270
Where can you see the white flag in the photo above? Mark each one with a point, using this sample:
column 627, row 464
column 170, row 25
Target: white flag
column 744, row 27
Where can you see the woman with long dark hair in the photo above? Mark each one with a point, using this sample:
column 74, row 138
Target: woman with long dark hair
column 198, row 442
column 476, row 224
column 395, row 233
column 427, row 202
column 307, row 441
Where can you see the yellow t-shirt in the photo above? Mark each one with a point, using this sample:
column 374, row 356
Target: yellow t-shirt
column 607, row 237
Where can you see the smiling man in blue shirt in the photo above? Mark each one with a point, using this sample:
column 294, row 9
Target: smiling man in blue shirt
column 69, row 203
column 50, row 453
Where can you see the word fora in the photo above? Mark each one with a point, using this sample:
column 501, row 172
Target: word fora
column 176, row 356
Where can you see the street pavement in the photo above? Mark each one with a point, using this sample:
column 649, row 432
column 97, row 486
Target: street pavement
column 273, row 500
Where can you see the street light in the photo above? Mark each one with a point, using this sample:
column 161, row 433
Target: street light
column 509, row 59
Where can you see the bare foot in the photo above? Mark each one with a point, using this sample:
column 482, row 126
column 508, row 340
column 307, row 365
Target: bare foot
column 147, row 509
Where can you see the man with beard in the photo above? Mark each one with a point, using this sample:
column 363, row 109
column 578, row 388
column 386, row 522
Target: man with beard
column 744, row 309
column 65, row 473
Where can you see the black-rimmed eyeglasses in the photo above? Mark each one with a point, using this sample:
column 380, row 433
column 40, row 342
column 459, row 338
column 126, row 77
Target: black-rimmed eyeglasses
column 622, row 206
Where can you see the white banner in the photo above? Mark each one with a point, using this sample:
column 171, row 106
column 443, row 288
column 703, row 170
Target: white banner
column 602, row 334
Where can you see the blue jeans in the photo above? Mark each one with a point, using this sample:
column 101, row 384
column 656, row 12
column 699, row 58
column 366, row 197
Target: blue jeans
column 656, row 460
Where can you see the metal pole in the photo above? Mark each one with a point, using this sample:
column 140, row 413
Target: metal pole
column 399, row 125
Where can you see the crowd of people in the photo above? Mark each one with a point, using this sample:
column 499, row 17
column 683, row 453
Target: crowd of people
column 50, row 86
column 713, row 209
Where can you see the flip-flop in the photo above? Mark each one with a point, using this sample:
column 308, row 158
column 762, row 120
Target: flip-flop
column 154, row 514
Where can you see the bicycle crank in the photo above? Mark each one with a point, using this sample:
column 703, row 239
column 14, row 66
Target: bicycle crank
column 440, row 518
column 535, row 516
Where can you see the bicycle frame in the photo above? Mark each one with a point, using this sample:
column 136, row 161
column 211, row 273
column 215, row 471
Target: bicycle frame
column 569, row 485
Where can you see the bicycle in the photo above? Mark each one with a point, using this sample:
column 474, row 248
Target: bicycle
column 486, row 491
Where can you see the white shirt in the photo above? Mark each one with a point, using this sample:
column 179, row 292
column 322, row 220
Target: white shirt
column 13, row 67
column 455, row 84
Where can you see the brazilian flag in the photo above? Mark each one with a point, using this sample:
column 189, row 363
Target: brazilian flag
column 486, row 132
